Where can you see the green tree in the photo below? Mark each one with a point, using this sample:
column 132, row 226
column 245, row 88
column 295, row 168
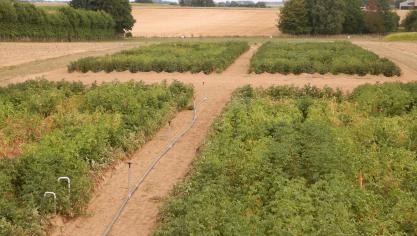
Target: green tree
column 327, row 16
column 294, row 18
column 354, row 22
column 410, row 22
column 197, row 3
column 391, row 19
column 380, row 18
column 374, row 22
column 7, row 11
column 120, row 10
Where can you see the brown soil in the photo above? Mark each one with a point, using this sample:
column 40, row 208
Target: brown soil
column 140, row 216
column 402, row 53
column 196, row 22
column 18, row 53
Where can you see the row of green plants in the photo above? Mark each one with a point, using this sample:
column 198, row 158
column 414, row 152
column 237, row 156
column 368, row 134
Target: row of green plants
column 19, row 21
column 169, row 57
column 87, row 129
column 320, row 57
column 24, row 110
column 304, row 161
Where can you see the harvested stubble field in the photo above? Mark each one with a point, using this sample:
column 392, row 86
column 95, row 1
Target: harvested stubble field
column 171, row 57
column 320, row 57
column 199, row 22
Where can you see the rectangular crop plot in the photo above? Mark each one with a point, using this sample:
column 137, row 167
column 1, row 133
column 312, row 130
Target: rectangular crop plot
column 54, row 129
column 168, row 57
column 320, row 57
column 304, row 161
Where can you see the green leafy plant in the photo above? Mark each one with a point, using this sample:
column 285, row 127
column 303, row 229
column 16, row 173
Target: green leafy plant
column 297, row 161
column 168, row 57
column 87, row 129
column 320, row 57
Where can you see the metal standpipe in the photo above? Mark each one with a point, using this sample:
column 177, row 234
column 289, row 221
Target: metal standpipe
column 204, row 92
column 51, row 194
column 148, row 171
column 65, row 178
column 129, row 177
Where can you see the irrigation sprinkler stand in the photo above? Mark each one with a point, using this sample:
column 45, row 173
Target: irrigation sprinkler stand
column 51, row 194
column 65, row 178
column 129, row 175
column 204, row 92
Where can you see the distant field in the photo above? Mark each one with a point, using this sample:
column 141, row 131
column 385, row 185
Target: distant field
column 406, row 36
column 196, row 22
column 156, row 20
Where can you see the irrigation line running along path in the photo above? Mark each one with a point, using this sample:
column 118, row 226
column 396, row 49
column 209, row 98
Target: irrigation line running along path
column 148, row 171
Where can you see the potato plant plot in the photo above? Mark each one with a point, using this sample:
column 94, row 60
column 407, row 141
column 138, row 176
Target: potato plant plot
column 288, row 161
column 167, row 57
column 81, row 130
column 320, row 57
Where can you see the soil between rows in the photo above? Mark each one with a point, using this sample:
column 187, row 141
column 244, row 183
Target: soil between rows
column 140, row 216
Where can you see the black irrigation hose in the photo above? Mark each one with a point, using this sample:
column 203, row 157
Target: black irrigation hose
column 148, row 171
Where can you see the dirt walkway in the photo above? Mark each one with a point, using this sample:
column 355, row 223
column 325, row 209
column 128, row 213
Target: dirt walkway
column 141, row 213
column 140, row 216
column 403, row 54
column 16, row 53
column 41, row 63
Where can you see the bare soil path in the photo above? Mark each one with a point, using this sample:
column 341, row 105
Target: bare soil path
column 141, row 213
column 140, row 216
column 23, row 59
column 15, row 53
column 403, row 54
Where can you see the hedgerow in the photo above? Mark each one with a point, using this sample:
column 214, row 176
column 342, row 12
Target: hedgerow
column 168, row 57
column 88, row 128
column 24, row 21
column 320, row 57
column 290, row 161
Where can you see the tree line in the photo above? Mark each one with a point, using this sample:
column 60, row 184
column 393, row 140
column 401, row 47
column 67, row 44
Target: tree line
column 82, row 20
column 337, row 16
